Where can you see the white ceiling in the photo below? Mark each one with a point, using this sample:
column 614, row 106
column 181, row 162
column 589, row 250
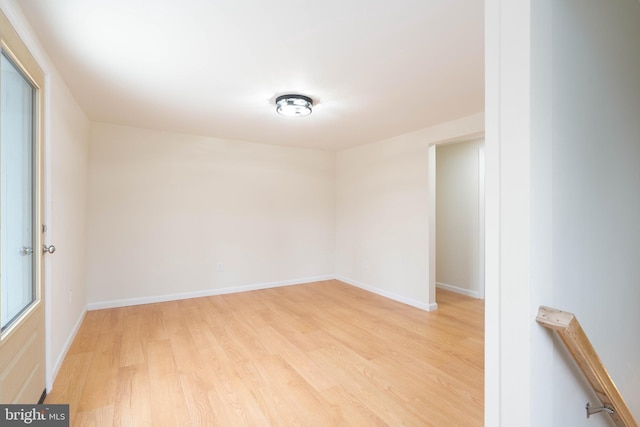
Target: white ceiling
column 375, row 68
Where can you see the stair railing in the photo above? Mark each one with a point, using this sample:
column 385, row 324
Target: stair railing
column 575, row 340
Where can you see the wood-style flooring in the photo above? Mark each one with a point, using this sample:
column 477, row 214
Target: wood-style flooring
column 319, row 354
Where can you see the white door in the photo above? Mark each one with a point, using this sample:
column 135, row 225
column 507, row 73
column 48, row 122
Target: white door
column 22, row 351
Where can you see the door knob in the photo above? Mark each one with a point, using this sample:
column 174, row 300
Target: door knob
column 51, row 249
column 26, row 251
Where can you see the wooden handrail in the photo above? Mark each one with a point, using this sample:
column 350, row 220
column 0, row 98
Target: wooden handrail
column 585, row 356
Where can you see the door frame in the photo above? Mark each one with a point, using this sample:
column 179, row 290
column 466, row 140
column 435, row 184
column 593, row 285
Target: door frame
column 432, row 213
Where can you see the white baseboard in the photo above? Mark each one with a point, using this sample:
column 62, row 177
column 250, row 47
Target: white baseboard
column 212, row 292
column 206, row 293
column 65, row 349
column 459, row 290
column 409, row 301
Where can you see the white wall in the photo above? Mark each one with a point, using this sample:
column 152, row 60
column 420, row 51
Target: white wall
column 382, row 212
column 66, row 175
column 457, row 217
column 166, row 208
column 562, row 153
column 67, row 223
column 596, row 182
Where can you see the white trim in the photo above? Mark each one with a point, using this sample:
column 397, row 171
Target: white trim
column 459, row 290
column 409, row 301
column 47, row 237
column 65, row 349
column 462, row 138
column 481, row 213
column 509, row 312
column 492, row 311
column 431, row 213
column 198, row 294
column 230, row 290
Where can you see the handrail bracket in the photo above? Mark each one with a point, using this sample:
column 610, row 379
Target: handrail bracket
column 591, row 411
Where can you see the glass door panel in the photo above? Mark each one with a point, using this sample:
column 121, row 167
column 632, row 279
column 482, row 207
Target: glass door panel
column 18, row 249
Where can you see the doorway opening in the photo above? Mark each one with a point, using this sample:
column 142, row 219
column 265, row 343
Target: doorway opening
column 457, row 225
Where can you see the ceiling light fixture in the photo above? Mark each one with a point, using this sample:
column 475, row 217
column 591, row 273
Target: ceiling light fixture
column 294, row 105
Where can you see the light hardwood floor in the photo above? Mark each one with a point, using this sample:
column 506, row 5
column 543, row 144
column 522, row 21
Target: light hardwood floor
column 319, row 354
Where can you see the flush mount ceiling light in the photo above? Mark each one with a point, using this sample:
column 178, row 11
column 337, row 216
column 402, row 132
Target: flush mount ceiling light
column 294, row 105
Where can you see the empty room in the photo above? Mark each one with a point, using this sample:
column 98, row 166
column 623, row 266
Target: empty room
column 237, row 208
column 226, row 213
